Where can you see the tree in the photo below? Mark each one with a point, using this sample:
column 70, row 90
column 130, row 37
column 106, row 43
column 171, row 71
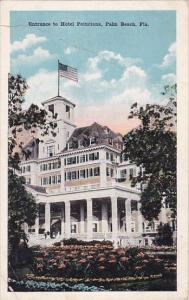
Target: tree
column 22, row 209
column 21, row 204
column 165, row 235
column 152, row 147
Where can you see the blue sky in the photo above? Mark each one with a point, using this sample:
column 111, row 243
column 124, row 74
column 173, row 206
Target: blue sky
column 117, row 65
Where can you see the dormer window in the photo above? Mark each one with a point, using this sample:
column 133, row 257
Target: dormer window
column 92, row 140
column 106, row 130
column 51, row 108
column 50, row 150
column 70, row 145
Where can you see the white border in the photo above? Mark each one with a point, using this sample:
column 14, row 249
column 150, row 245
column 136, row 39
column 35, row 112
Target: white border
column 182, row 10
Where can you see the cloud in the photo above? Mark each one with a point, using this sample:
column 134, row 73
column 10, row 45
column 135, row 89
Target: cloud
column 169, row 78
column 70, row 50
column 29, row 40
column 43, row 85
column 38, row 55
column 94, row 72
column 97, row 97
column 170, row 57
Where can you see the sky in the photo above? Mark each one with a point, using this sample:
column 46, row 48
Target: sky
column 117, row 65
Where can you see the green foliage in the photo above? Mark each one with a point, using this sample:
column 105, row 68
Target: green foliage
column 31, row 119
column 21, row 204
column 152, row 146
column 21, row 208
column 165, row 235
column 73, row 241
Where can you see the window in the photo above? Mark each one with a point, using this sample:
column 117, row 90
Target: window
column 82, row 173
column 59, row 178
column 74, row 176
column 112, row 172
column 82, row 158
column 94, row 156
column 123, row 173
column 28, row 181
column 71, row 160
column 69, row 174
column 132, row 226
column 132, row 173
column 92, row 140
column 91, row 172
column 53, row 179
column 111, row 157
column 107, row 172
column 28, row 168
column 51, row 108
column 96, row 171
column 91, row 156
column 73, row 228
column 95, row 227
column 50, row 150
column 134, row 205
column 68, row 111
column 45, row 181
column 107, row 155
column 65, row 161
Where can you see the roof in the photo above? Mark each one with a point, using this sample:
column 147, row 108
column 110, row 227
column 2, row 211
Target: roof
column 37, row 188
column 58, row 98
column 101, row 134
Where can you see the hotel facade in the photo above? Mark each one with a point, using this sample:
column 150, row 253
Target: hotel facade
column 82, row 183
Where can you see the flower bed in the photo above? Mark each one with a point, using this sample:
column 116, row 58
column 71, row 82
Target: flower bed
column 33, row 285
column 95, row 261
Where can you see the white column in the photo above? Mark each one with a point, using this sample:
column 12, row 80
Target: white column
column 37, row 221
column 114, row 218
column 82, row 218
column 37, row 225
column 67, row 219
column 104, row 217
column 128, row 214
column 47, row 216
column 140, row 228
column 89, row 218
column 62, row 221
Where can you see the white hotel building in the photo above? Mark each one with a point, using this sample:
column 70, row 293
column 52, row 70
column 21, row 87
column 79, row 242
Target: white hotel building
column 83, row 185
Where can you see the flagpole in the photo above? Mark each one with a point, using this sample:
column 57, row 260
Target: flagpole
column 58, row 80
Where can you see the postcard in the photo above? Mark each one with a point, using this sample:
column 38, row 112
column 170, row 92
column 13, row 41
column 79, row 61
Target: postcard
column 94, row 149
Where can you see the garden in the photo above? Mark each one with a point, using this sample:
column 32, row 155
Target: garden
column 73, row 265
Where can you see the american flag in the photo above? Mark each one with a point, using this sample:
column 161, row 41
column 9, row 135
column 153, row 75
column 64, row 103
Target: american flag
column 67, row 72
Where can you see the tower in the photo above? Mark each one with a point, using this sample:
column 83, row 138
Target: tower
column 64, row 110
